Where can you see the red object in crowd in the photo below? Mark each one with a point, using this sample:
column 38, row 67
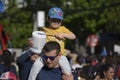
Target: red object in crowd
column 92, row 40
column 9, row 76
column 118, row 72
column 3, row 39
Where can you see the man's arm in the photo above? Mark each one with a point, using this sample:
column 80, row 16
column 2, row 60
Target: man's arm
column 22, row 59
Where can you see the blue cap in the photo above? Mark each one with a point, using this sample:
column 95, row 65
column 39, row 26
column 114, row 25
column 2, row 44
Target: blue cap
column 1, row 7
column 56, row 12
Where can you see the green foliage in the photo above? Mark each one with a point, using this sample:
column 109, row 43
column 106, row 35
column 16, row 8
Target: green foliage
column 18, row 25
column 80, row 16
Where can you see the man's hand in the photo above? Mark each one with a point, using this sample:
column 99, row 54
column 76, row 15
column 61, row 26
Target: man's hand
column 34, row 57
column 30, row 42
column 67, row 77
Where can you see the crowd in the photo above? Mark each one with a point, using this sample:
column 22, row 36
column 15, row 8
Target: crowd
column 51, row 61
column 96, row 67
column 89, row 67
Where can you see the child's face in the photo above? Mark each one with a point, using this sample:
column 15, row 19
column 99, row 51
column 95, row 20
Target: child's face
column 54, row 23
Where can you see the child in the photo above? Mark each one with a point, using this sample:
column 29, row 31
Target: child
column 57, row 33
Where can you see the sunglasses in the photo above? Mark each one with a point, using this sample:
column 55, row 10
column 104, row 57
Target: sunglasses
column 50, row 57
column 55, row 20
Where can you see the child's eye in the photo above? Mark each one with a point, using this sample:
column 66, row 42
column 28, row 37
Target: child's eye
column 55, row 20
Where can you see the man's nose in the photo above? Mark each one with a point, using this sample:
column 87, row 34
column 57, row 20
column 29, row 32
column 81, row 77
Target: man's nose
column 48, row 60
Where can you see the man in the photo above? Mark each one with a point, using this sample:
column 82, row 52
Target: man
column 51, row 69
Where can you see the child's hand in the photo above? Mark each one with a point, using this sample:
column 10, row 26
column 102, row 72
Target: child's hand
column 60, row 36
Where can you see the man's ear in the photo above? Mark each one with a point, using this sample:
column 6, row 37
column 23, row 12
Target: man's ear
column 59, row 56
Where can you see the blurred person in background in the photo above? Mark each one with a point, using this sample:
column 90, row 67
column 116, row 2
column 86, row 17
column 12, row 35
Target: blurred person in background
column 78, row 62
column 72, row 57
column 90, row 68
column 7, row 63
column 108, row 72
column 117, row 66
column 4, row 40
column 80, row 74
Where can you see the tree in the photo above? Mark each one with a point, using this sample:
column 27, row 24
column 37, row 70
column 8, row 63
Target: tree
column 83, row 17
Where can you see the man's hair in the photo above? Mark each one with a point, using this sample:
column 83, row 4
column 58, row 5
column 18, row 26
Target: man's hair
column 51, row 45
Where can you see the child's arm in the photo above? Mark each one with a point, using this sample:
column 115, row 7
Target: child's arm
column 38, row 64
column 70, row 36
column 65, row 33
column 64, row 64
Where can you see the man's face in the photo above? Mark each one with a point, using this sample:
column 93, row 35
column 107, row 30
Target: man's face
column 51, row 59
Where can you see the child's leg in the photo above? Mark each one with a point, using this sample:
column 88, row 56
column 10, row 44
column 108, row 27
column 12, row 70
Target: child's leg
column 38, row 64
column 64, row 64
